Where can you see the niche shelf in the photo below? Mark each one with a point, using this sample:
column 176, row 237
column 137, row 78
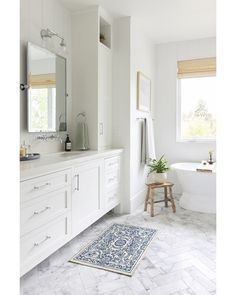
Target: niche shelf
column 105, row 33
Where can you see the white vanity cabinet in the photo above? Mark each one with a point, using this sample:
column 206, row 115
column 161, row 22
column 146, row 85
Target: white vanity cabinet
column 112, row 182
column 45, row 216
column 86, row 195
column 63, row 197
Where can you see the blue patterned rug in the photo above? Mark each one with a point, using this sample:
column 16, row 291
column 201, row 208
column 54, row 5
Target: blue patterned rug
column 117, row 249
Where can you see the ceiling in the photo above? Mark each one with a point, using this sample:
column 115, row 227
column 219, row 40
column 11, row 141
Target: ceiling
column 163, row 20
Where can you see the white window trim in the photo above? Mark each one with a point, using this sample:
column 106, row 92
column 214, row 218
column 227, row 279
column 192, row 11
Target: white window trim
column 51, row 110
column 179, row 139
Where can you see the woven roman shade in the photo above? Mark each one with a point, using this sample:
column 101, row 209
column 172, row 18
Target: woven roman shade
column 196, row 68
column 43, row 80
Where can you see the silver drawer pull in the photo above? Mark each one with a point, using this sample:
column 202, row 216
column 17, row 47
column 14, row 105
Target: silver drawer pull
column 77, row 182
column 42, row 186
column 43, row 210
column 44, row 240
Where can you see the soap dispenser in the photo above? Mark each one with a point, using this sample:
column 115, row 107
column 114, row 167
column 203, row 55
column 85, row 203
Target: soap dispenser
column 67, row 144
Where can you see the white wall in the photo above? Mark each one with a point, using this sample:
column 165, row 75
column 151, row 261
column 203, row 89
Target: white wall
column 143, row 58
column 121, row 100
column 165, row 107
column 133, row 51
column 85, row 73
column 34, row 16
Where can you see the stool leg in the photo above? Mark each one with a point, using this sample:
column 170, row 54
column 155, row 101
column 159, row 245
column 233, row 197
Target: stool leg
column 166, row 197
column 172, row 199
column 146, row 200
column 152, row 202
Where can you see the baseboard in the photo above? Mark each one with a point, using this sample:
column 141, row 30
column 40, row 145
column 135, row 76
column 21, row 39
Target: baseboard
column 137, row 200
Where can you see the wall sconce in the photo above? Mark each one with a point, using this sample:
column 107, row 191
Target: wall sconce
column 49, row 34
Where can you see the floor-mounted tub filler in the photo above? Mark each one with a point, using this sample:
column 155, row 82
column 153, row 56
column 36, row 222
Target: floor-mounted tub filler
column 198, row 188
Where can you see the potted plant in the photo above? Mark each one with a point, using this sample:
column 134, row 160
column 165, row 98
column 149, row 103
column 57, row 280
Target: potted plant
column 158, row 170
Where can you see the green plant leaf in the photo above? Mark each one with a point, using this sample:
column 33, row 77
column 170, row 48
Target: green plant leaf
column 158, row 166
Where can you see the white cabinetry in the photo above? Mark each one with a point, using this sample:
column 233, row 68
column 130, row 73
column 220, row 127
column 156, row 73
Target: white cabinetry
column 43, row 241
column 112, row 182
column 44, row 208
column 86, row 195
column 92, row 76
column 45, row 216
column 58, row 205
column 105, row 96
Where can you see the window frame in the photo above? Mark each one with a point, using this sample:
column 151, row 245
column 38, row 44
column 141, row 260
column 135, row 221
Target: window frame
column 179, row 138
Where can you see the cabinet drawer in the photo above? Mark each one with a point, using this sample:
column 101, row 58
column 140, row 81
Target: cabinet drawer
column 112, row 163
column 41, row 243
column 113, row 196
column 38, row 212
column 44, row 184
column 112, row 179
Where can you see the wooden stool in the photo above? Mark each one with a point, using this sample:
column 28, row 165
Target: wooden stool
column 168, row 196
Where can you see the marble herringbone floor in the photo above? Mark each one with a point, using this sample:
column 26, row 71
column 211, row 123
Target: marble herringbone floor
column 180, row 261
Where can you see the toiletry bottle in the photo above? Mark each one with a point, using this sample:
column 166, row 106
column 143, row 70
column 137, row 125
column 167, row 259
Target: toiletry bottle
column 67, row 144
column 22, row 151
column 25, row 147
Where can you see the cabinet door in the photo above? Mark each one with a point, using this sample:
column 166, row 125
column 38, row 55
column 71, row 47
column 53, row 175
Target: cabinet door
column 104, row 97
column 86, row 197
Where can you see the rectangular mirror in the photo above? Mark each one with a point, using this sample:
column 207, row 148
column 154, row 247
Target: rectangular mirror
column 46, row 78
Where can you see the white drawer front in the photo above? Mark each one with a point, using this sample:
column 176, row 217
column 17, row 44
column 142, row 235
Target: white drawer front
column 39, row 244
column 113, row 196
column 112, row 179
column 38, row 212
column 112, row 163
column 37, row 186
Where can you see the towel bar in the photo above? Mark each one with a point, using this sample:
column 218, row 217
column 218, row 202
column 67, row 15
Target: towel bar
column 143, row 119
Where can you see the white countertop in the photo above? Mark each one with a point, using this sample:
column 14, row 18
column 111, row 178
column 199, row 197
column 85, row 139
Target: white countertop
column 56, row 161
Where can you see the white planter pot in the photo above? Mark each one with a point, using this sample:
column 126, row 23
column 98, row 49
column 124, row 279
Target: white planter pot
column 157, row 177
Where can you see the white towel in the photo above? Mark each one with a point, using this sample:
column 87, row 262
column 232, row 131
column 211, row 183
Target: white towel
column 143, row 142
column 150, row 150
column 147, row 141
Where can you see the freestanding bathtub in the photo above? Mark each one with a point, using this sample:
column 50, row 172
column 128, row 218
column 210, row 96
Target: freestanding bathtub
column 199, row 188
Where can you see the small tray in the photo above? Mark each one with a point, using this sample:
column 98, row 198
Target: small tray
column 29, row 157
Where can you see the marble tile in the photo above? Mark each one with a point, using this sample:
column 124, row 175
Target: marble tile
column 203, row 280
column 169, row 288
column 179, row 261
column 196, row 287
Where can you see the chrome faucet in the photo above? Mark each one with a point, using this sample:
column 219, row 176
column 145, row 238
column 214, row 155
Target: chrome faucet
column 45, row 137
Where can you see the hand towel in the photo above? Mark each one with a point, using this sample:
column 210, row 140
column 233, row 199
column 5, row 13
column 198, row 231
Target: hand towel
column 147, row 141
column 143, row 141
column 150, row 142
column 83, row 139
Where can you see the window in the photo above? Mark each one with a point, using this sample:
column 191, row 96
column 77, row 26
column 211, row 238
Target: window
column 196, row 107
column 43, row 109
column 42, row 102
